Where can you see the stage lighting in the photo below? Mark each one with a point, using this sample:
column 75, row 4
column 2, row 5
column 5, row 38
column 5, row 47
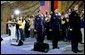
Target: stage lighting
column 17, row 12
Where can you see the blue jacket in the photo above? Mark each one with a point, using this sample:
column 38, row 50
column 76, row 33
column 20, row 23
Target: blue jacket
column 82, row 23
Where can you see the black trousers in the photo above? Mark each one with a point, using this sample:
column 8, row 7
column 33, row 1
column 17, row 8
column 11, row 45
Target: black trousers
column 64, row 33
column 75, row 37
column 74, row 45
column 17, row 34
column 27, row 33
column 49, row 35
column 55, row 38
column 40, row 37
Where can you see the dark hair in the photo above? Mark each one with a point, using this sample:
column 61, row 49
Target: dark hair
column 31, row 16
column 27, row 16
column 19, row 19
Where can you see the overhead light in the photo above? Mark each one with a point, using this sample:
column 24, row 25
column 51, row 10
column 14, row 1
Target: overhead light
column 17, row 12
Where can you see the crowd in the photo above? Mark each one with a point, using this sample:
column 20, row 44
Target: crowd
column 67, row 26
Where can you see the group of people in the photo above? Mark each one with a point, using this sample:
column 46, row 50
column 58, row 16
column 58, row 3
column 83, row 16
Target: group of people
column 56, row 26
column 21, row 28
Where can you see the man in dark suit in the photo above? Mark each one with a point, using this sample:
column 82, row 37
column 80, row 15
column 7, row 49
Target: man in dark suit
column 27, row 26
column 54, row 25
column 74, row 21
column 47, row 24
column 39, row 27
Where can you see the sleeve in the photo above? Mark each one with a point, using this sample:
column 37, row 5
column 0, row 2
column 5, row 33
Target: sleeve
column 35, row 23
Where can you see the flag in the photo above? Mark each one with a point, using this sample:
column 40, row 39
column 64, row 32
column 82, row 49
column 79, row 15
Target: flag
column 45, row 6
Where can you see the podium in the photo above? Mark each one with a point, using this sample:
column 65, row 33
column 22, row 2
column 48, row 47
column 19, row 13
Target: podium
column 12, row 28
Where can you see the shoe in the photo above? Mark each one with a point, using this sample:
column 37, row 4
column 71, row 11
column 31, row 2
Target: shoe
column 55, row 47
column 16, row 40
column 23, row 39
column 32, row 49
column 79, row 51
column 82, row 43
column 74, row 51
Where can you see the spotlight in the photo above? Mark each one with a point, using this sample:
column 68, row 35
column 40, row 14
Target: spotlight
column 17, row 12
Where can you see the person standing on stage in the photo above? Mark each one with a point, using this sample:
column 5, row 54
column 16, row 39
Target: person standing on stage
column 39, row 27
column 27, row 26
column 65, row 27
column 74, row 22
column 32, row 26
column 55, row 22
column 21, row 23
column 47, row 23
column 17, row 28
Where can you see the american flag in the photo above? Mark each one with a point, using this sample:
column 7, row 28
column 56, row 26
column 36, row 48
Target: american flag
column 45, row 6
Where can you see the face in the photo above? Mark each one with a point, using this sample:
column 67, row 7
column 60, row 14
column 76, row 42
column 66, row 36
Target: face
column 56, row 11
column 27, row 18
column 76, row 7
column 69, row 10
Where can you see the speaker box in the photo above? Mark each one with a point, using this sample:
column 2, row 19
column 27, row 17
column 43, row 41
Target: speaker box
column 19, row 43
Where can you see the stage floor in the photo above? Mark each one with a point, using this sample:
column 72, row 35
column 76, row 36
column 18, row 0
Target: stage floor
column 26, row 48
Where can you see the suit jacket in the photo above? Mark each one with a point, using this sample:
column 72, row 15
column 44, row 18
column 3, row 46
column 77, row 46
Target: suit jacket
column 74, row 22
column 55, row 19
column 39, row 23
